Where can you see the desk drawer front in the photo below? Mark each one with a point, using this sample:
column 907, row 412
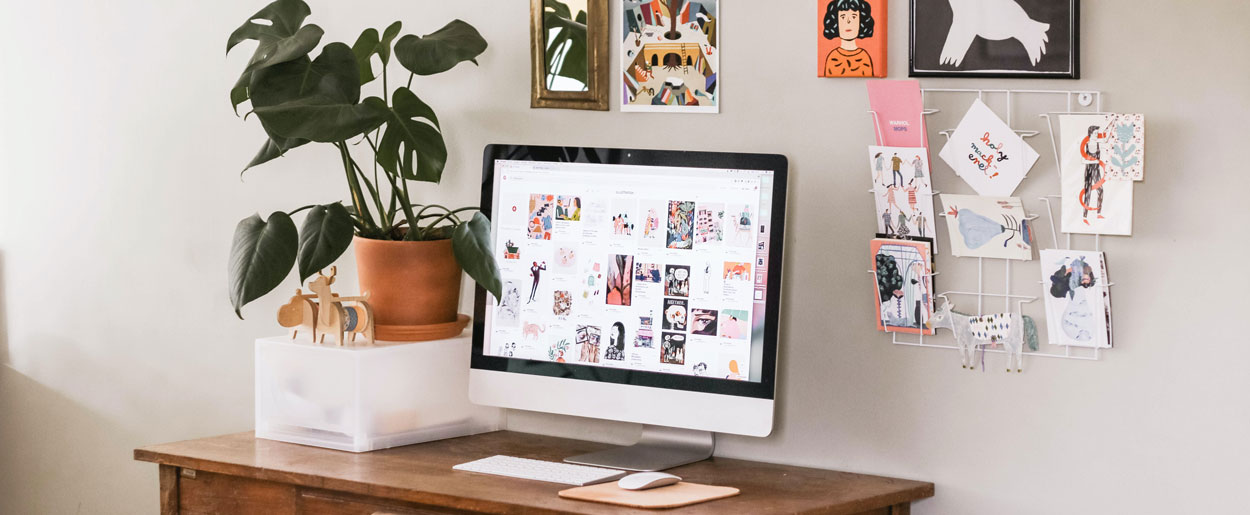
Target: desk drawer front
column 207, row 492
column 325, row 503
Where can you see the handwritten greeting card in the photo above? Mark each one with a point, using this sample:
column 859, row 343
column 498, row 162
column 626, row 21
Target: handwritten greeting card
column 987, row 154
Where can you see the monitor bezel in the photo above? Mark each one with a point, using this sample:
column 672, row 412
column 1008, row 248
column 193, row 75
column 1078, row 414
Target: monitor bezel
column 778, row 164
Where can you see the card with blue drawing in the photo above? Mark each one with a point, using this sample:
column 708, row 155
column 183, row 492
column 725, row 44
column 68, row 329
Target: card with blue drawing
column 1127, row 141
column 992, row 227
column 1078, row 300
column 1121, row 141
column 987, row 154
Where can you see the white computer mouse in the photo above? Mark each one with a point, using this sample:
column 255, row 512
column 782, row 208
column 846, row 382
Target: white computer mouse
column 645, row 480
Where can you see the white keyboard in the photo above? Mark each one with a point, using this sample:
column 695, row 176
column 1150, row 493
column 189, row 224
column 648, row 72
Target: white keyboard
column 549, row 471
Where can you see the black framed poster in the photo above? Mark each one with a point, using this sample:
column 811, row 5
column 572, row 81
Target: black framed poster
column 995, row 38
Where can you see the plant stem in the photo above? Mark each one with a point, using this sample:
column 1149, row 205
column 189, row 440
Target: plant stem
column 373, row 190
column 310, row 206
column 452, row 215
column 403, row 199
column 387, row 100
column 353, row 185
column 385, row 89
column 448, row 214
column 435, row 223
column 398, row 190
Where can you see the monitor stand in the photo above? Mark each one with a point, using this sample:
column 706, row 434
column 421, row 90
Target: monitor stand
column 658, row 448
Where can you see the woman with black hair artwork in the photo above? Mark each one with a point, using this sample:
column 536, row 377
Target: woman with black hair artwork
column 616, row 343
column 847, row 21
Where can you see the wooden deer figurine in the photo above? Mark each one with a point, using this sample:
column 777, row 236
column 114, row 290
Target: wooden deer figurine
column 337, row 319
column 299, row 313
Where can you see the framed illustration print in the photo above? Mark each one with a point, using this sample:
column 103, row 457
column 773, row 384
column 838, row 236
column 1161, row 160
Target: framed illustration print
column 995, row 38
column 670, row 60
column 851, row 38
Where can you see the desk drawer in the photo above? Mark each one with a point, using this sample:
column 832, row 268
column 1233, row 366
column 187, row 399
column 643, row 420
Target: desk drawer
column 327, row 503
column 209, row 493
column 206, row 492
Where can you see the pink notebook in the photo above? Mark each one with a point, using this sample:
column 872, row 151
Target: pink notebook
column 900, row 113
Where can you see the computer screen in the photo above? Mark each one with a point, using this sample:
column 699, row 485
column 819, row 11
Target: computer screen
column 656, row 268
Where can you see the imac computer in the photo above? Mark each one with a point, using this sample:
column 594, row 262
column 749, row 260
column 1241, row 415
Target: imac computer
column 639, row 286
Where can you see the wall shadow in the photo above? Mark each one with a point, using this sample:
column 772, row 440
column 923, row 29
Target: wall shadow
column 4, row 317
column 49, row 446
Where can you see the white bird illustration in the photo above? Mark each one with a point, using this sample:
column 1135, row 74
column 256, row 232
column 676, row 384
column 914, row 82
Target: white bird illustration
column 995, row 20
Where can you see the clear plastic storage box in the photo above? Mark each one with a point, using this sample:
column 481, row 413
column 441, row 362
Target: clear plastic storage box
column 365, row 398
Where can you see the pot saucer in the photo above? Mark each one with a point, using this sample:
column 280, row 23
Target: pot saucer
column 421, row 333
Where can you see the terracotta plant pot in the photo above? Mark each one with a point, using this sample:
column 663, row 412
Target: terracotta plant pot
column 413, row 286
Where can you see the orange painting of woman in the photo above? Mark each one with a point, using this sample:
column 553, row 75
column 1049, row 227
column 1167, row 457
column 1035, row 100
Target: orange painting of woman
column 846, row 22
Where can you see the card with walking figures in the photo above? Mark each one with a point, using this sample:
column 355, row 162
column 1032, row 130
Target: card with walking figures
column 903, row 190
column 992, row 227
column 1097, row 186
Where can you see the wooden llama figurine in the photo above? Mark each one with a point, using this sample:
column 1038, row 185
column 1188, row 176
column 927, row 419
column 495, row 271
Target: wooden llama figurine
column 299, row 313
column 337, row 319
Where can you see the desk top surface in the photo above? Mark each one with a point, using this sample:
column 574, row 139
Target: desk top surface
column 422, row 474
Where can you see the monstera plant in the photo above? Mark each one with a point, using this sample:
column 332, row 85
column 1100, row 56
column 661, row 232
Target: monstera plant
column 300, row 99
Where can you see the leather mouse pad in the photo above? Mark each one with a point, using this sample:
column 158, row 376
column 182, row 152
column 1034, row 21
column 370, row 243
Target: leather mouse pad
column 671, row 496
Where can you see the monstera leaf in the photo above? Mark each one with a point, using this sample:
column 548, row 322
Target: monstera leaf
column 412, row 134
column 325, row 235
column 470, row 242
column 440, row 51
column 316, row 100
column 280, row 40
column 273, row 149
column 369, row 44
column 260, row 257
column 569, row 43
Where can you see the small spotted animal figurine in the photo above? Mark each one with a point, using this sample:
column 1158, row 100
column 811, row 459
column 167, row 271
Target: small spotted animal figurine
column 299, row 313
column 337, row 319
column 1012, row 330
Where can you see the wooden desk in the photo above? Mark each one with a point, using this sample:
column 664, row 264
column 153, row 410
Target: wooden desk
column 241, row 474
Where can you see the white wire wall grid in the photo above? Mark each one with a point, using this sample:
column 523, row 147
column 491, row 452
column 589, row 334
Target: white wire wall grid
column 1072, row 102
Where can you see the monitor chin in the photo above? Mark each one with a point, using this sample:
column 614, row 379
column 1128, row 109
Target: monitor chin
column 700, row 411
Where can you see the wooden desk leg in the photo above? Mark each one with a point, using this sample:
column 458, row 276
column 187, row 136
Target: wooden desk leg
column 901, row 509
column 169, row 490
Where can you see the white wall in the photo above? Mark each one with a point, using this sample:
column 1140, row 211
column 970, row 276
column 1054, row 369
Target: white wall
column 120, row 189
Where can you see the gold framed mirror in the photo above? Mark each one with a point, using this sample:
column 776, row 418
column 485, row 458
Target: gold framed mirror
column 569, row 54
